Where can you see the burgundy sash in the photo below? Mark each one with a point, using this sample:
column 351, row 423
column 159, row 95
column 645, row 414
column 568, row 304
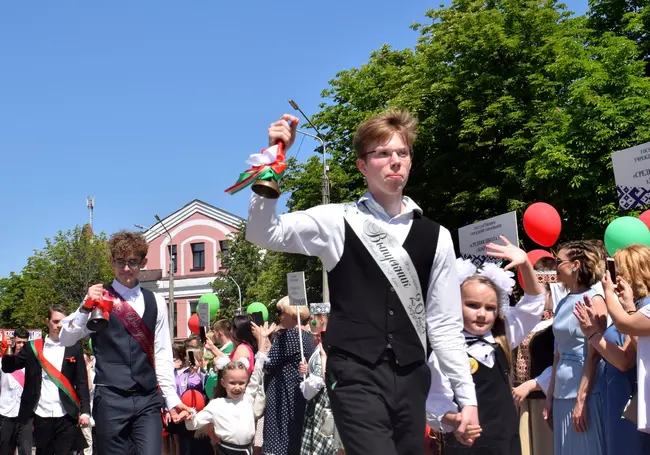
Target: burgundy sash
column 134, row 324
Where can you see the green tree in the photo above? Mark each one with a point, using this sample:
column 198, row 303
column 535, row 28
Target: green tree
column 518, row 101
column 244, row 263
column 58, row 274
column 629, row 18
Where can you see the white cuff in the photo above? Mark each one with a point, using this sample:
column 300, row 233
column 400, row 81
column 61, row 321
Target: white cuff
column 437, row 424
column 311, row 386
column 172, row 401
column 81, row 319
column 466, row 396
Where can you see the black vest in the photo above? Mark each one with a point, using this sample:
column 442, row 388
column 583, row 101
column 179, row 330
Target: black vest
column 121, row 362
column 497, row 413
column 366, row 313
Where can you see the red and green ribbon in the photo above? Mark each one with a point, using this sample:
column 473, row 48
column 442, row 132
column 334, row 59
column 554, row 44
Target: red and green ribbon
column 55, row 375
column 273, row 171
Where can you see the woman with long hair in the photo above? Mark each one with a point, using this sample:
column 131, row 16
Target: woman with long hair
column 573, row 399
column 622, row 344
column 245, row 343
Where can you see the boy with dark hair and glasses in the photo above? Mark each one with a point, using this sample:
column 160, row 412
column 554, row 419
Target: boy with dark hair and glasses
column 134, row 359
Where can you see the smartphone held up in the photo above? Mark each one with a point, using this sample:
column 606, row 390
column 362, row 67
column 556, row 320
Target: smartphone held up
column 611, row 268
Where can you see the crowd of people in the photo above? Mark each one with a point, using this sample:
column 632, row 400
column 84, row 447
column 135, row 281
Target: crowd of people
column 413, row 341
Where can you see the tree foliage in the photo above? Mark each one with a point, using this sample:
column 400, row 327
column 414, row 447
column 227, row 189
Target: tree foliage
column 518, row 101
column 58, row 274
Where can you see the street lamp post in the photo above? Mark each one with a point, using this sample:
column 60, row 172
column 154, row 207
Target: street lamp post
column 171, row 281
column 325, row 183
column 238, row 290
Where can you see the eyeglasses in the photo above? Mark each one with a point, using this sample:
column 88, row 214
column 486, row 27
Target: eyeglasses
column 560, row 261
column 385, row 155
column 133, row 263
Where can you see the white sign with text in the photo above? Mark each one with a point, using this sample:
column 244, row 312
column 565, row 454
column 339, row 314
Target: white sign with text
column 632, row 176
column 473, row 238
column 297, row 289
column 203, row 310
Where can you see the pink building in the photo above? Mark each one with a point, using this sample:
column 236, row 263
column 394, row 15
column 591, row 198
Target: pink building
column 199, row 231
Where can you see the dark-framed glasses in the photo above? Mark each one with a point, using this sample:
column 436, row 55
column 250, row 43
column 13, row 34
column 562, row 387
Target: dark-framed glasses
column 133, row 263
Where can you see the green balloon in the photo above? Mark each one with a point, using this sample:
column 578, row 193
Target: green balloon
column 211, row 383
column 213, row 302
column 625, row 231
column 258, row 306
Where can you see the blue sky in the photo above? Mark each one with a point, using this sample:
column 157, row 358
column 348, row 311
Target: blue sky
column 148, row 105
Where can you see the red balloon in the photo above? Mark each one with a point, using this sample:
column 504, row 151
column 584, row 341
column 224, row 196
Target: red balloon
column 193, row 324
column 645, row 217
column 542, row 223
column 193, row 399
column 533, row 256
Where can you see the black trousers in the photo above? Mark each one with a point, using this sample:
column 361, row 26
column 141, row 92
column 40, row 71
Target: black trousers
column 378, row 408
column 127, row 422
column 450, row 446
column 57, row 435
column 14, row 435
column 189, row 445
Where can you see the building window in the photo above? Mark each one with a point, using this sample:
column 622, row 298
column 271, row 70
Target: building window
column 224, row 246
column 172, row 252
column 193, row 306
column 198, row 256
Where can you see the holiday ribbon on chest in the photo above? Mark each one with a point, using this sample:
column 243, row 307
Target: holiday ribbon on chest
column 267, row 165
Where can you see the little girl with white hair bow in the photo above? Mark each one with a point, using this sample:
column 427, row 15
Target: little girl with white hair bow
column 492, row 329
column 231, row 414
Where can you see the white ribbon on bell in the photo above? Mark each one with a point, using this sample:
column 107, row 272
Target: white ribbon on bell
column 268, row 156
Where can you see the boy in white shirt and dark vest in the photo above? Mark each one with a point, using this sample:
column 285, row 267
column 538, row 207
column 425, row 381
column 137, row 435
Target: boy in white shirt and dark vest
column 133, row 355
column 393, row 287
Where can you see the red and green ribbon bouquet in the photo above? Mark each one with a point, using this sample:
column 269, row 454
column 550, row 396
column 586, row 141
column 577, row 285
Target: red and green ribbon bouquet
column 269, row 164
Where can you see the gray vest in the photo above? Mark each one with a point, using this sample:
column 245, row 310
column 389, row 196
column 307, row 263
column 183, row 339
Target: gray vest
column 120, row 361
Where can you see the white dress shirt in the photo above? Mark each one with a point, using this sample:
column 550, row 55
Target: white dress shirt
column 74, row 329
column 520, row 321
column 50, row 404
column 320, row 231
column 10, row 394
column 233, row 420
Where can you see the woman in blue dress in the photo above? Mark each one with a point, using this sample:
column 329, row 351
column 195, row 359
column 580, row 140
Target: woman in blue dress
column 619, row 379
column 574, row 399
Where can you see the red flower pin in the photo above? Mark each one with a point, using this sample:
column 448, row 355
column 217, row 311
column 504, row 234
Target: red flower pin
column 71, row 359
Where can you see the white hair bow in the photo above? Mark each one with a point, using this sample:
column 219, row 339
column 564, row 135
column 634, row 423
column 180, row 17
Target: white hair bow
column 502, row 279
column 221, row 362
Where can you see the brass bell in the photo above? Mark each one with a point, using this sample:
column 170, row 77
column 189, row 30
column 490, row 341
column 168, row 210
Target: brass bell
column 96, row 321
column 10, row 350
column 267, row 188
